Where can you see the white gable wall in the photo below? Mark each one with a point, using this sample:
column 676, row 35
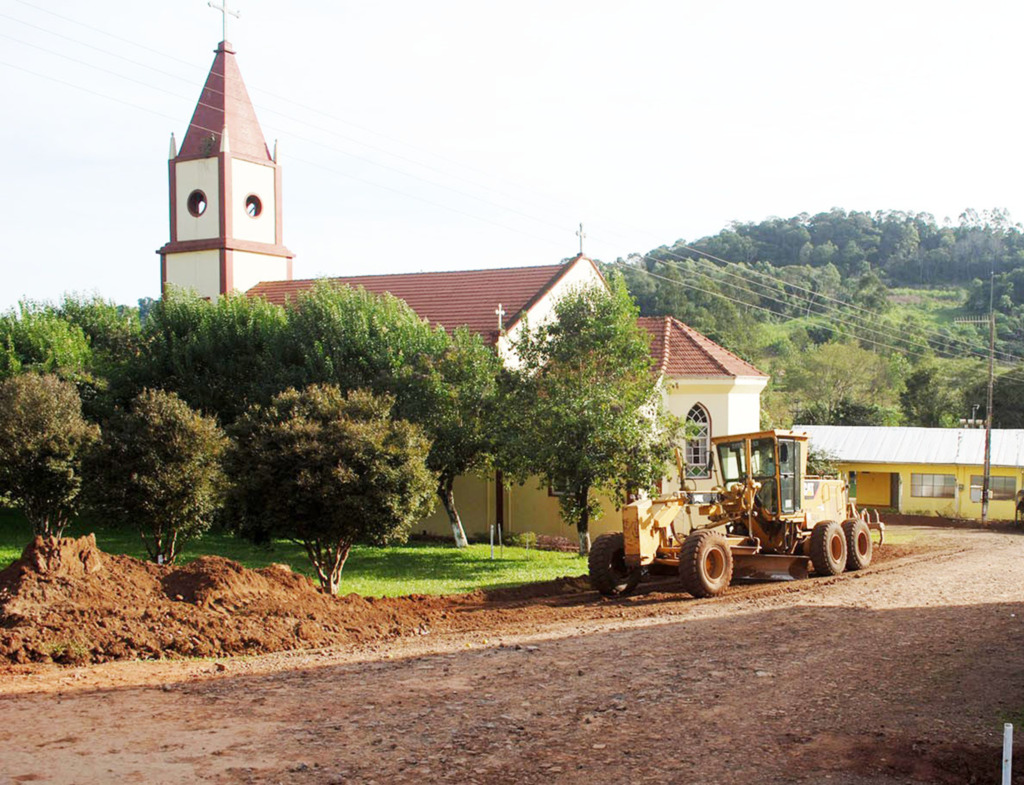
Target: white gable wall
column 581, row 274
column 733, row 405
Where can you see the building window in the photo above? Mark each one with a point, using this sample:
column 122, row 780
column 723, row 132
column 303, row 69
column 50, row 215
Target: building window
column 999, row 488
column 933, row 486
column 253, row 206
column 197, row 203
column 698, row 446
column 560, row 488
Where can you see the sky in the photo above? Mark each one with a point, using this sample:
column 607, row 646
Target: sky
column 460, row 135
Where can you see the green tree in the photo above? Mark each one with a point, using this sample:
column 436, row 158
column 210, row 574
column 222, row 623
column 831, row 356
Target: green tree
column 357, row 339
column 219, row 357
column 326, row 471
column 843, row 384
column 42, row 440
column 453, row 397
column 936, row 396
column 158, row 469
column 583, row 411
column 35, row 338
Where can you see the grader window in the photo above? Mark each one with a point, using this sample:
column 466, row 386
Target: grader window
column 732, row 458
column 789, row 474
column 762, row 469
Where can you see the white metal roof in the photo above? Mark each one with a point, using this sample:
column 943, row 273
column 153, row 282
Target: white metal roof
column 880, row 444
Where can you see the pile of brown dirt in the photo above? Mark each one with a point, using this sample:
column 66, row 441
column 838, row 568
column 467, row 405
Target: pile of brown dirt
column 65, row 601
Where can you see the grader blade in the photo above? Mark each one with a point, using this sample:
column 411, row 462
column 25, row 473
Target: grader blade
column 770, row 567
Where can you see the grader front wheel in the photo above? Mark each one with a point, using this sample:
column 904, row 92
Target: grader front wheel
column 705, row 564
column 607, row 566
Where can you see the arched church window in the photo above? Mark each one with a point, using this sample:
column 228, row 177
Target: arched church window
column 698, row 446
column 197, row 203
column 253, row 206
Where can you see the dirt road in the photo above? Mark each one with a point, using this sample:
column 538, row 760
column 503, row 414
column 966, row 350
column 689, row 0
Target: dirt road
column 904, row 673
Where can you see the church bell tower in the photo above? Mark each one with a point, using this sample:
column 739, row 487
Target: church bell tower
column 225, row 194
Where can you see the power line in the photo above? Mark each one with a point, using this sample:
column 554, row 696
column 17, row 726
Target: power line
column 810, row 301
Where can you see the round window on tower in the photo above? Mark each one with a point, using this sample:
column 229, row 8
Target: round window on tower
column 253, row 206
column 197, row 203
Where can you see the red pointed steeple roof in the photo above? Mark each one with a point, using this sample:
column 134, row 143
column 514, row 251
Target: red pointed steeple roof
column 224, row 103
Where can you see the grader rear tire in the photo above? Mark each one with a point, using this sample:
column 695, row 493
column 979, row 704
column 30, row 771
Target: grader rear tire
column 607, row 566
column 828, row 548
column 705, row 564
column 859, row 547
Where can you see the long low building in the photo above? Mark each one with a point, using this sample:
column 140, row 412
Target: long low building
column 925, row 471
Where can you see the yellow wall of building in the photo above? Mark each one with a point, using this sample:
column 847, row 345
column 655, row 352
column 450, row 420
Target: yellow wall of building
column 528, row 508
column 960, row 506
column 874, row 488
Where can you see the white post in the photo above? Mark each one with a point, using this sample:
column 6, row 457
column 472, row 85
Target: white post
column 492, row 542
column 1007, row 752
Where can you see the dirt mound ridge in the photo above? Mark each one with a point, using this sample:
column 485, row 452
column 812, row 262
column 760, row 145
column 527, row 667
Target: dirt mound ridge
column 66, row 601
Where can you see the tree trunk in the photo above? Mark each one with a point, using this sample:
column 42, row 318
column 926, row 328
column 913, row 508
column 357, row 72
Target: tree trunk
column 583, row 526
column 328, row 561
column 447, row 494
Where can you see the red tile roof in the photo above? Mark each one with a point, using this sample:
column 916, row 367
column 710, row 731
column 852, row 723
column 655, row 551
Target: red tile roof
column 682, row 351
column 450, row 299
column 224, row 102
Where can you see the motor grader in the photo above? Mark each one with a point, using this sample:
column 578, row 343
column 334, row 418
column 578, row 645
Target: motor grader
column 766, row 520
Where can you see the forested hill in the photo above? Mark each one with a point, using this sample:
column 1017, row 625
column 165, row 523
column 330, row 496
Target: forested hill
column 877, row 298
column 906, row 249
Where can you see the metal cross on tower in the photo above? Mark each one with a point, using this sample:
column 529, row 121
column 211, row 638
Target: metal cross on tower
column 581, row 235
column 224, row 10
column 500, row 313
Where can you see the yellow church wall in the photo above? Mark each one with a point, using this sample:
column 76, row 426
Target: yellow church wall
column 874, row 492
column 195, row 270
column 248, row 178
column 474, row 500
column 527, row 507
column 201, row 174
column 248, row 269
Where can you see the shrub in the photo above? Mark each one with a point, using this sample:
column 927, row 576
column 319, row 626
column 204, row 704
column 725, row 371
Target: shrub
column 42, row 440
column 159, row 470
column 327, row 470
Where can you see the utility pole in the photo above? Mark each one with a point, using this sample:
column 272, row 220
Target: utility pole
column 986, row 481
column 991, row 382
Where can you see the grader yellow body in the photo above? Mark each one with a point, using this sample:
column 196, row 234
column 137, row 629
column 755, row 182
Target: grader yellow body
column 767, row 520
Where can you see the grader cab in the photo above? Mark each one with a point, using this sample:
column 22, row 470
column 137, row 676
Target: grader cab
column 767, row 520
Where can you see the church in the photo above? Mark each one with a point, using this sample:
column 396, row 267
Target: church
column 226, row 237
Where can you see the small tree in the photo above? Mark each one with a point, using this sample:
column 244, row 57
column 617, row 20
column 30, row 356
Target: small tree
column 326, row 471
column 42, row 439
column 159, row 470
column 583, row 410
column 453, row 396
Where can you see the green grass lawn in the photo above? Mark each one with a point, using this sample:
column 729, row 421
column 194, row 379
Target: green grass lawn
column 415, row 568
